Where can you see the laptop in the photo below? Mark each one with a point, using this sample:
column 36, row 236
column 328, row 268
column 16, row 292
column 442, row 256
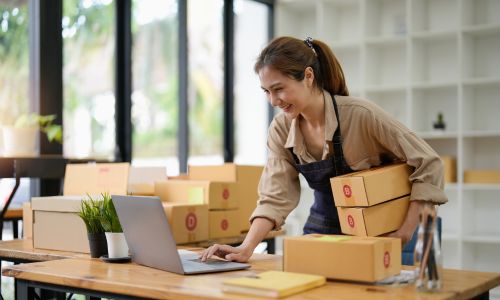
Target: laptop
column 151, row 242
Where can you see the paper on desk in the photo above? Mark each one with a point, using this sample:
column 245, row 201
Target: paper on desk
column 406, row 276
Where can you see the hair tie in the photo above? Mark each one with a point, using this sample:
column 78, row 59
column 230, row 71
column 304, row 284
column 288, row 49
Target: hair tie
column 309, row 43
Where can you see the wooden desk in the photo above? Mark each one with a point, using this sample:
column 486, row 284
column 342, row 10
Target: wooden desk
column 98, row 279
column 21, row 251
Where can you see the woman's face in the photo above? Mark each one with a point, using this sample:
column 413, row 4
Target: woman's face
column 285, row 92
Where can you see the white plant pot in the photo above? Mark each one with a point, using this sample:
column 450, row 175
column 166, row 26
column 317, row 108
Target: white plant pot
column 20, row 142
column 117, row 245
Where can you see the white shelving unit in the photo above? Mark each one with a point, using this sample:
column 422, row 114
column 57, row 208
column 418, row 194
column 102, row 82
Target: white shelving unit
column 416, row 58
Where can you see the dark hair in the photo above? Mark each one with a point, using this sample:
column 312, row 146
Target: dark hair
column 292, row 56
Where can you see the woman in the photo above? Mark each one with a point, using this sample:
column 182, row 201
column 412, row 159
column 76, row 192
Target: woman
column 305, row 80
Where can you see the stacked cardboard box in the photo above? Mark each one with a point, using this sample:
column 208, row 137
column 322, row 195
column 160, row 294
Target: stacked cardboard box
column 482, row 176
column 372, row 202
column 188, row 222
column 367, row 259
column 246, row 179
column 229, row 190
column 53, row 222
column 450, row 168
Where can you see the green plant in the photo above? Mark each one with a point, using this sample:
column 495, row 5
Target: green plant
column 90, row 212
column 53, row 131
column 108, row 215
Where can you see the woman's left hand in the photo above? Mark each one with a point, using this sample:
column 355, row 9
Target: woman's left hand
column 402, row 234
column 405, row 232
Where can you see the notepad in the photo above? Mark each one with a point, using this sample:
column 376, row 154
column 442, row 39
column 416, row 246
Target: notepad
column 273, row 284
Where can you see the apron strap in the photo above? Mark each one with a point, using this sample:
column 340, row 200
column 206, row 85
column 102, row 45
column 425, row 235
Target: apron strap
column 339, row 162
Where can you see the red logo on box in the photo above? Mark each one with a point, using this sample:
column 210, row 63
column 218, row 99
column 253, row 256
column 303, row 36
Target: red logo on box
column 387, row 259
column 225, row 193
column 347, row 191
column 191, row 221
column 350, row 221
column 224, row 224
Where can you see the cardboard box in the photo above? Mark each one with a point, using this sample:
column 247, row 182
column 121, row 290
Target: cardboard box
column 373, row 186
column 223, row 223
column 218, row 195
column 482, row 176
column 247, row 179
column 56, row 224
column 27, row 221
column 374, row 220
column 343, row 257
column 188, row 222
column 450, row 168
column 141, row 180
column 94, row 179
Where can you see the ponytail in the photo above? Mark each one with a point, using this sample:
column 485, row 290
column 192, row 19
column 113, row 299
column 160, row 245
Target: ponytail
column 292, row 56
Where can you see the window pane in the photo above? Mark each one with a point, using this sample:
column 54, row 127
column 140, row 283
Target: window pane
column 14, row 84
column 14, row 61
column 88, row 29
column 251, row 121
column 155, row 81
column 205, row 81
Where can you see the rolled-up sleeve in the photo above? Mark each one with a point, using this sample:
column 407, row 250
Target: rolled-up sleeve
column 279, row 186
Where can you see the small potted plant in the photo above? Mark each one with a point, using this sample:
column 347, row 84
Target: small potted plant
column 117, row 245
column 21, row 138
column 90, row 212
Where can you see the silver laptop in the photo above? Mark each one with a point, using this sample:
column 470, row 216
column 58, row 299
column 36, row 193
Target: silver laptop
column 151, row 242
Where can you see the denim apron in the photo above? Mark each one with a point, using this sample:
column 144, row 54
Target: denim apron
column 323, row 217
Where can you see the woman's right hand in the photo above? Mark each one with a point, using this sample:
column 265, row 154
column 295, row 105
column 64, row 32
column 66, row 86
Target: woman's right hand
column 239, row 254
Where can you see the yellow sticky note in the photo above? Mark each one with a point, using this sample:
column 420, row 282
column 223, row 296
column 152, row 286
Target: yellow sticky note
column 333, row 238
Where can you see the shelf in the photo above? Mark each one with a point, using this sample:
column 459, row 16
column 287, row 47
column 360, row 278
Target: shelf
column 451, row 186
column 434, row 85
column 385, row 18
column 434, row 15
column 385, row 89
column 481, row 134
column 480, row 30
column 416, row 59
column 340, row 21
column 434, row 36
column 494, row 238
column 385, row 41
column 430, row 135
column 449, row 237
column 481, row 82
column 481, row 187
column 344, row 45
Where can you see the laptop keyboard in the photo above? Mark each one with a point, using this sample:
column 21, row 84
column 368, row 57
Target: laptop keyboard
column 209, row 264
column 209, row 261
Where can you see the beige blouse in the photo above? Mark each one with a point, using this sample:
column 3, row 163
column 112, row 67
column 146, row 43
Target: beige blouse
column 369, row 135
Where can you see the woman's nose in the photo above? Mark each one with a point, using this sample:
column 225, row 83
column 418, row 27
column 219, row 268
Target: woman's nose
column 274, row 100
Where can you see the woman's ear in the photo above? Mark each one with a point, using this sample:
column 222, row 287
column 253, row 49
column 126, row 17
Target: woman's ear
column 309, row 76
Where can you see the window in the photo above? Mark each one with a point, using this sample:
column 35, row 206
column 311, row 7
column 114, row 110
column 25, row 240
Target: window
column 251, row 106
column 14, row 81
column 155, row 83
column 88, row 75
column 14, row 60
column 206, row 79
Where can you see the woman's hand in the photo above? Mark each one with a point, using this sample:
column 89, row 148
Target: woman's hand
column 239, row 254
column 405, row 236
column 405, row 232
